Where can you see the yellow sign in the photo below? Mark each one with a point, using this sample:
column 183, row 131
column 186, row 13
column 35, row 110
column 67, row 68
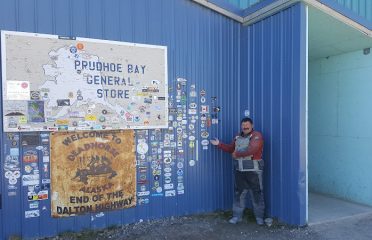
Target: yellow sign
column 92, row 171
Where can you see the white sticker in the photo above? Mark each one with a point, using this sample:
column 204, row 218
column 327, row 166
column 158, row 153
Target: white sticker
column 168, row 186
column 192, row 111
column 45, row 158
column 192, row 163
column 170, row 193
column 142, row 147
column 146, row 193
column 18, row 90
column 32, row 213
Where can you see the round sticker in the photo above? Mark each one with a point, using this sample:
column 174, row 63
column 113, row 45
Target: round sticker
column 180, row 165
column 24, row 85
column 192, row 163
column 73, row 50
column 12, row 181
column 167, row 160
column 80, row 46
column 192, row 138
column 142, row 147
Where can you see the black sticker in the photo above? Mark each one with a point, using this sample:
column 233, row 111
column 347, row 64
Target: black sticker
column 30, row 139
column 63, row 102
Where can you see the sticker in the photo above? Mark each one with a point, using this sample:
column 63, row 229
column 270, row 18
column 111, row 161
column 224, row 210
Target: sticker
column 170, row 193
column 36, row 111
column 180, row 165
column 45, row 159
column 45, row 181
column 204, row 134
column 30, row 156
column 14, row 152
column 22, row 119
column 32, row 179
column 32, row 213
column 168, row 186
column 90, row 117
column 192, row 138
column 28, row 169
column 142, row 147
column 144, row 193
column 192, row 111
column 18, row 90
column 167, row 160
column 193, row 93
column 167, row 179
column 34, row 204
column 15, row 108
column 202, row 92
column 63, row 102
column 216, row 109
column 43, row 195
column 246, row 113
column 192, row 105
column 35, row 95
column 202, row 99
column 205, row 142
column 204, row 109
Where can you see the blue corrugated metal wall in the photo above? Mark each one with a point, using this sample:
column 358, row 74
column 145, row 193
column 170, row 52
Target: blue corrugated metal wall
column 273, row 89
column 361, row 7
column 203, row 47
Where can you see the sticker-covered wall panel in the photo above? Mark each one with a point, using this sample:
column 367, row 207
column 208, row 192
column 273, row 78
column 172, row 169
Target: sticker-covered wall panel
column 54, row 83
column 177, row 172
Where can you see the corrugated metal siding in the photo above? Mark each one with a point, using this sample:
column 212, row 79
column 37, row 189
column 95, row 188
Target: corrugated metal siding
column 273, row 88
column 203, row 47
column 361, row 7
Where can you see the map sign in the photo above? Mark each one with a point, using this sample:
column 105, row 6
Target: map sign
column 57, row 83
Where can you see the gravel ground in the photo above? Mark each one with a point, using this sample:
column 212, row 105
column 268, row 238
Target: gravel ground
column 215, row 226
column 205, row 226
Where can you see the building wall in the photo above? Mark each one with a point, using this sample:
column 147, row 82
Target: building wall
column 273, row 90
column 203, row 47
column 362, row 8
column 340, row 133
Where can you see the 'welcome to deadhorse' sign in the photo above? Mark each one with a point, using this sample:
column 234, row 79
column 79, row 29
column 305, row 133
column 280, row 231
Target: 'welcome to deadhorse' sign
column 92, row 171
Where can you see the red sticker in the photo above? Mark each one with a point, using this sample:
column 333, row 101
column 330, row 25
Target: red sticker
column 24, row 85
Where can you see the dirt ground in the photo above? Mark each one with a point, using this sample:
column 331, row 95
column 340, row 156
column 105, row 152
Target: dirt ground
column 215, row 226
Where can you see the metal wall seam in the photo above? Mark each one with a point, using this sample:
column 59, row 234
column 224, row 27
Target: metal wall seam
column 274, row 82
column 203, row 47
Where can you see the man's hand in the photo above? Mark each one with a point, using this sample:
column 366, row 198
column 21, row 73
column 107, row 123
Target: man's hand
column 234, row 155
column 215, row 141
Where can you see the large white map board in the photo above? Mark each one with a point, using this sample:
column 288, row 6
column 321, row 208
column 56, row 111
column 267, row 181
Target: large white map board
column 52, row 83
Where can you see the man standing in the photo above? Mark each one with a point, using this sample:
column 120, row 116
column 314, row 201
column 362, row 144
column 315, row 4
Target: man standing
column 246, row 149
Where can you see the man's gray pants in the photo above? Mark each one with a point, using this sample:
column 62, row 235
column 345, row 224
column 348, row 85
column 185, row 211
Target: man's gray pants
column 249, row 182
